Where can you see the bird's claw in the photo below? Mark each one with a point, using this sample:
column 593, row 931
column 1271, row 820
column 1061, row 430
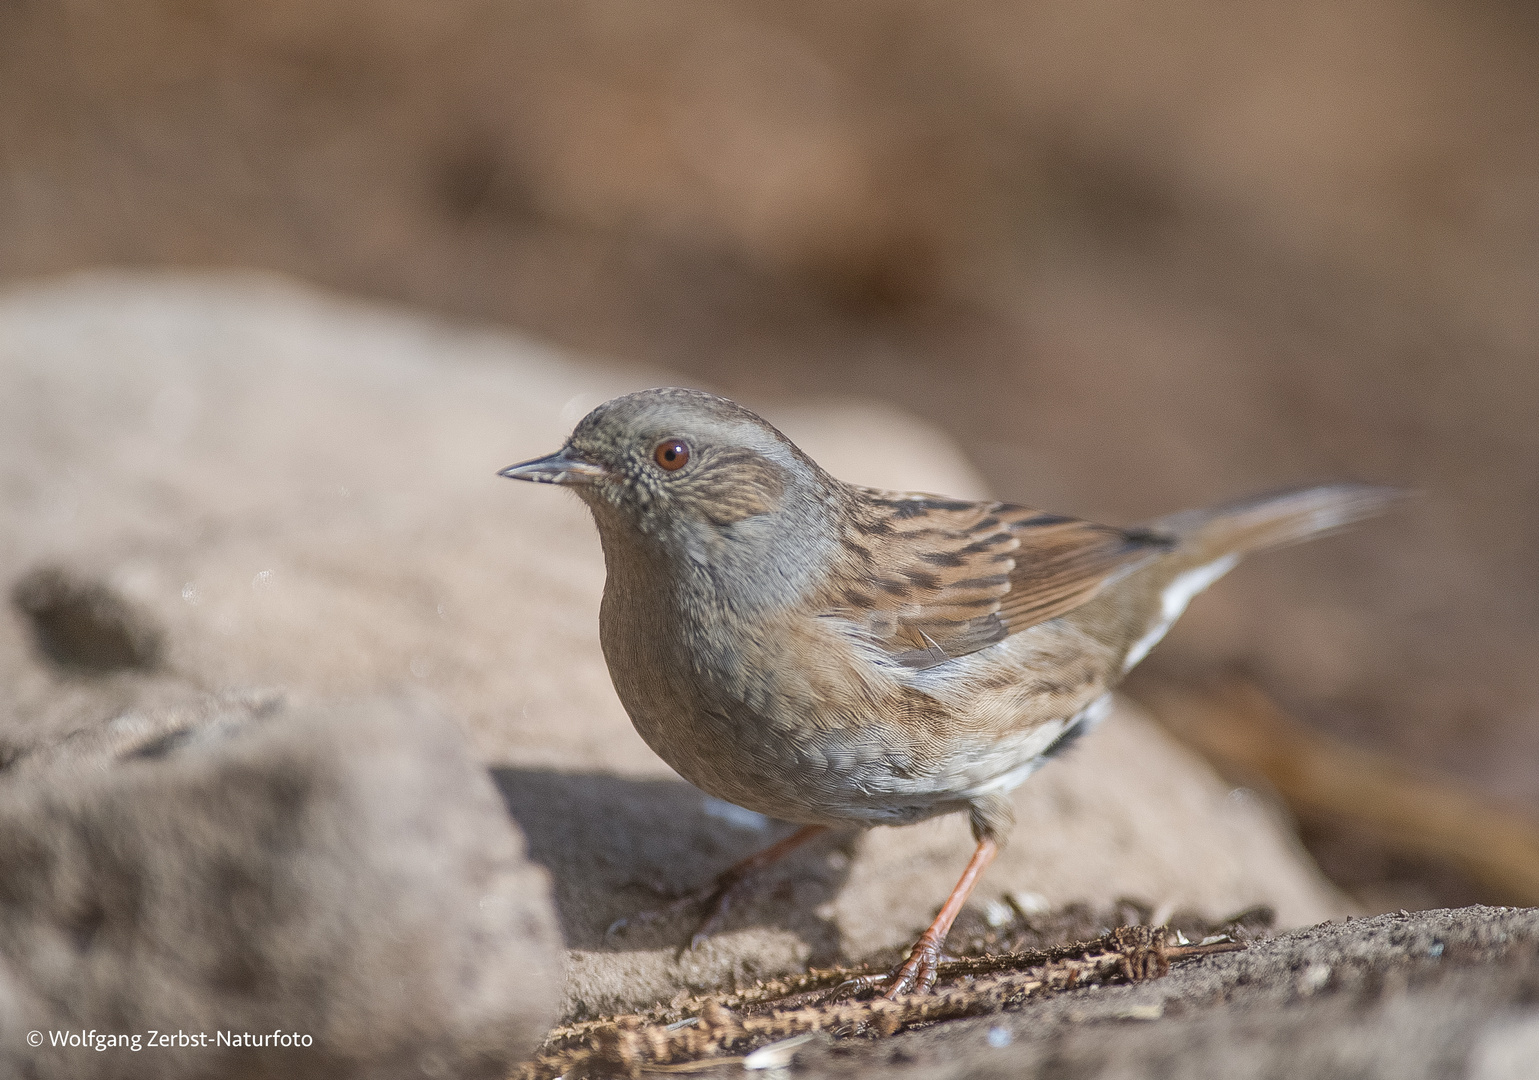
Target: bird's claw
column 714, row 900
column 652, row 915
column 861, row 984
column 917, row 974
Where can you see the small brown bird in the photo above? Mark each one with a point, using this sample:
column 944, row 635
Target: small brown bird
column 828, row 654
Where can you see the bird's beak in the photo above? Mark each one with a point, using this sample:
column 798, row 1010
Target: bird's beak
column 562, row 467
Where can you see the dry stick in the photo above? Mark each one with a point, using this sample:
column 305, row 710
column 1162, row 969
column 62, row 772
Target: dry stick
column 626, row 1045
column 1235, row 725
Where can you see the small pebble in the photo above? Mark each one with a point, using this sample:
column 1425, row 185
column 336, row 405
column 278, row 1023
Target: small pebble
column 1314, row 977
column 777, row 1055
column 997, row 913
column 1029, row 903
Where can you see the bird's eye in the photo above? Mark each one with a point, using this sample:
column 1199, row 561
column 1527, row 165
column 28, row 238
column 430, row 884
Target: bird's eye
column 672, row 454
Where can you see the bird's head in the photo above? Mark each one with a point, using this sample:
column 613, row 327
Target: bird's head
column 681, row 463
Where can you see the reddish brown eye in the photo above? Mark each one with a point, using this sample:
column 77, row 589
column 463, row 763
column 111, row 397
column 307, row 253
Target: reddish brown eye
column 672, row 454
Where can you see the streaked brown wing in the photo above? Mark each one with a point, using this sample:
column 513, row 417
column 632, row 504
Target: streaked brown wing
column 932, row 579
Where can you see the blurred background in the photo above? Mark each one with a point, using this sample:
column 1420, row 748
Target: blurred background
column 1134, row 257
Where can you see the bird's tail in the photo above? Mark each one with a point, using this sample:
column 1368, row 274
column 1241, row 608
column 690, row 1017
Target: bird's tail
column 1266, row 521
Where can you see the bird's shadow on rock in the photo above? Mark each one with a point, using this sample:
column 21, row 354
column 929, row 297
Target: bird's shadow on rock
column 618, row 847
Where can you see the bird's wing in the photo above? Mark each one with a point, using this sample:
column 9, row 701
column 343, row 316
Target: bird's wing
column 931, row 579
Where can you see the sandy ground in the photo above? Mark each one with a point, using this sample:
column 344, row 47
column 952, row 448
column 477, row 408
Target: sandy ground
column 1438, row 994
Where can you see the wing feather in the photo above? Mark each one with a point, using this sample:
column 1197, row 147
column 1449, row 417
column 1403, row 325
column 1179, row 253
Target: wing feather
column 931, row 579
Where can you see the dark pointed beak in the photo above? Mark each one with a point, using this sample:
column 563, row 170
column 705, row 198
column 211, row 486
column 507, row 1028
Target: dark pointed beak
column 562, row 467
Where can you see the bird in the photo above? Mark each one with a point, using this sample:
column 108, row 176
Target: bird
column 828, row 654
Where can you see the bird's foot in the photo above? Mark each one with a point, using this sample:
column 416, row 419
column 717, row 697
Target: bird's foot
column 715, row 899
column 648, row 916
column 916, row 975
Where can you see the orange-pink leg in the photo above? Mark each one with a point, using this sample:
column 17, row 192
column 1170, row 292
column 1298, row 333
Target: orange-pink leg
column 717, row 898
column 917, row 974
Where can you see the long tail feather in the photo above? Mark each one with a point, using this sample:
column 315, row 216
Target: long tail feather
column 1266, row 521
column 1211, row 541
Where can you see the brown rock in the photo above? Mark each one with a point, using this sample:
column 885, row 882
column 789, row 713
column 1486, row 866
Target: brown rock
column 300, row 492
column 339, row 885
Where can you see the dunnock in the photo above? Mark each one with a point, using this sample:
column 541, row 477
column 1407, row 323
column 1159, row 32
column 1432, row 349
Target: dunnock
column 825, row 654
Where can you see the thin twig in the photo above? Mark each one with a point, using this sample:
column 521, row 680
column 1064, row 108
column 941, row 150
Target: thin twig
column 729, row 1025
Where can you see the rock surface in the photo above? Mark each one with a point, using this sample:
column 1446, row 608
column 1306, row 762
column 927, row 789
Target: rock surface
column 282, row 489
column 343, row 878
column 1431, row 996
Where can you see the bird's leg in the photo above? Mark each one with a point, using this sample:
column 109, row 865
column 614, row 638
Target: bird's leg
column 717, row 897
column 917, row 974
